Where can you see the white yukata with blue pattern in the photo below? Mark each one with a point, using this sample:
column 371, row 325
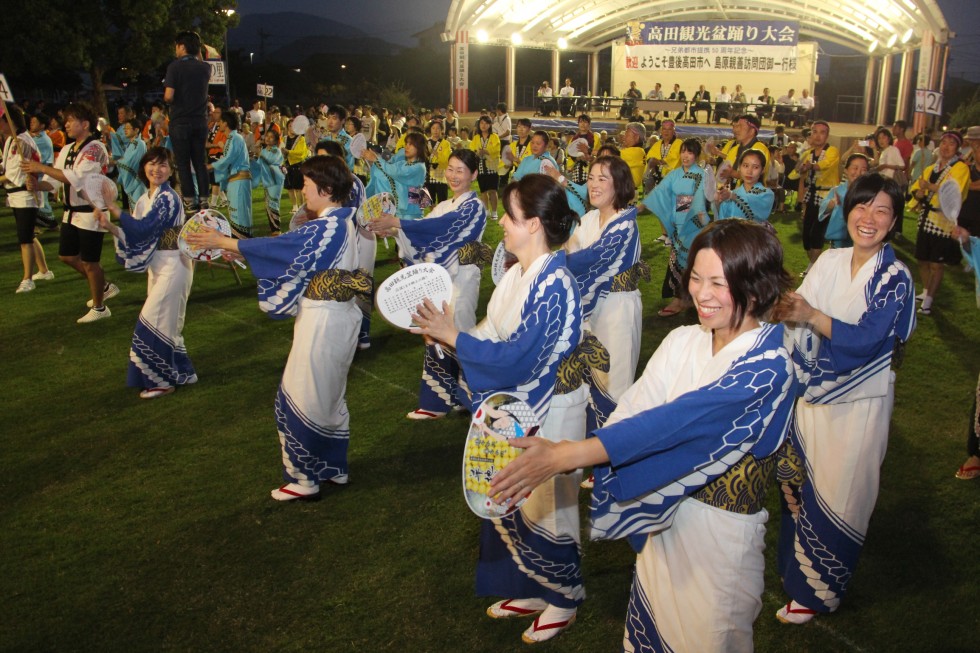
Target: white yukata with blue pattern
column 437, row 238
column 690, row 417
column 596, row 254
column 311, row 408
column 840, row 429
column 157, row 357
column 533, row 322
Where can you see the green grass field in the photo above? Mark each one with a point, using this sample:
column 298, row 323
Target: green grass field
column 129, row 525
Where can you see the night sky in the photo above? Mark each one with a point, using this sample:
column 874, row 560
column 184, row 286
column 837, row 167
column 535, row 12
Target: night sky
column 397, row 21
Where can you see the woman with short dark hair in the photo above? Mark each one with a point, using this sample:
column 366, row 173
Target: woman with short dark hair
column 707, row 416
column 310, row 273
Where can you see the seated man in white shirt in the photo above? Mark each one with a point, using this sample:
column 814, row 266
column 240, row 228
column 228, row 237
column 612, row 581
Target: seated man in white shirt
column 806, row 107
column 723, row 105
column 786, row 107
column 656, row 94
column 546, row 99
column 566, row 101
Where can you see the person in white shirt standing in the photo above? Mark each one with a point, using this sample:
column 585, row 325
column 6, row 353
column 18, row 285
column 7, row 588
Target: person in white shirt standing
column 81, row 239
column 18, row 146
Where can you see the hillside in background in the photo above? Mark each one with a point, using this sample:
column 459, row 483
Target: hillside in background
column 290, row 38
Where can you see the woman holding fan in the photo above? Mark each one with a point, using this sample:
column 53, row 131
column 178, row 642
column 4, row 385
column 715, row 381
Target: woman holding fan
column 309, row 273
column 532, row 327
column 146, row 241
column 683, row 464
column 450, row 236
column 404, row 177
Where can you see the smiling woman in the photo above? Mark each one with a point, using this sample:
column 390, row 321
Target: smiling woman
column 855, row 307
column 681, row 436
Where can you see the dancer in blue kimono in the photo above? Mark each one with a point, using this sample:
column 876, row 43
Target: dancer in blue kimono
column 679, row 203
column 451, row 237
column 310, row 273
column 540, row 161
column 146, row 241
column 128, row 163
column 832, row 206
column 404, row 176
column 336, row 117
column 855, row 306
column 750, row 200
column 532, row 328
column 604, row 255
column 706, row 417
column 233, row 174
column 267, row 172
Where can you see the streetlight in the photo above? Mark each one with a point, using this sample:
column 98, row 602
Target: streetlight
column 228, row 14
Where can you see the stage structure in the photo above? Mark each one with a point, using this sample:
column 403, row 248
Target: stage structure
column 757, row 43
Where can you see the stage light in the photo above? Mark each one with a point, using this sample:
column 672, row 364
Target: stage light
column 907, row 36
column 516, row 38
column 482, row 36
column 562, row 43
column 873, row 46
column 892, row 40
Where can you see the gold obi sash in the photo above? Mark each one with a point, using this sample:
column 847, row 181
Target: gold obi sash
column 475, row 253
column 338, row 285
column 168, row 239
column 577, row 368
column 742, row 489
column 628, row 280
column 239, row 176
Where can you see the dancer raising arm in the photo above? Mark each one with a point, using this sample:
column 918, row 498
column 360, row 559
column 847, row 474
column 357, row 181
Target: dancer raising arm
column 308, row 273
column 450, row 236
column 533, row 324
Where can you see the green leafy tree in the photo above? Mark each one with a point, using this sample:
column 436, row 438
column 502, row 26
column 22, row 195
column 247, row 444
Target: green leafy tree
column 967, row 113
column 99, row 36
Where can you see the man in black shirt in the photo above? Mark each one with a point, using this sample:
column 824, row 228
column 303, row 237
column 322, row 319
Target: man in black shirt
column 186, row 90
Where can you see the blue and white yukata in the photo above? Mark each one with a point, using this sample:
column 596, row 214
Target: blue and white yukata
column 158, row 357
column 403, row 179
column 840, row 429
column 267, row 172
column 607, row 266
column 836, row 222
column 344, row 139
column 533, row 323
column 531, row 165
column 753, row 204
column 438, row 238
column 128, row 165
column 233, row 174
column 298, row 274
column 679, row 203
column 691, row 447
